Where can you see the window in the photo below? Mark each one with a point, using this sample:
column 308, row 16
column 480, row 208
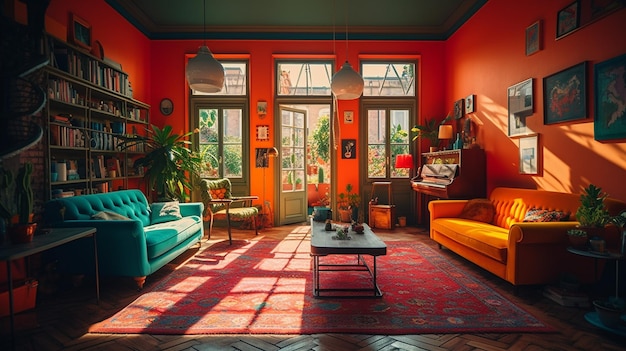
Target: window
column 389, row 79
column 235, row 80
column 308, row 78
column 387, row 136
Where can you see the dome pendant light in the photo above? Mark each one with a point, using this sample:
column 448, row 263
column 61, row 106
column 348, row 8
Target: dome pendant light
column 346, row 83
column 204, row 73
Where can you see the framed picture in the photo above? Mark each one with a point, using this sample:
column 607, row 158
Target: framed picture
column 348, row 148
column 567, row 20
column 609, row 114
column 261, row 108
column 520, row 100
column 458, row 109
column 262, row 159
column 565, row 95
column 262, row 133
column 533, row 38
column 469, row 104
column 529, row 155
column 80, row 32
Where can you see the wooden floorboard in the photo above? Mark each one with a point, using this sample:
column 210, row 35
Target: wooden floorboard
column 61, row 320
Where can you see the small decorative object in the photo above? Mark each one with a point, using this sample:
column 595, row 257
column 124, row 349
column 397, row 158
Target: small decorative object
column 261, row 108
column 262, row 132
column 520, row 103
column 565, row 95
column 469, row 104
column 346, row 203
column 328, row 226
column 528, row 155
column 577, row 238
column 458, row 143
column 358, row 228
column 166, row 107
column 533, row 38
column 349, row 148
column 458, row 109
column 597, row 244
column 567, row 20
column 348, row 117
column 609, row 112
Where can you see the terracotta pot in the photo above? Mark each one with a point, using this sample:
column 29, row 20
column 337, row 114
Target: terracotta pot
column 578, row 241
column 345, row 216
column 22, row 233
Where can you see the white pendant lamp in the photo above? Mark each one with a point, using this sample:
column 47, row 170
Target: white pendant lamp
column 346, row 83
column 204, row 73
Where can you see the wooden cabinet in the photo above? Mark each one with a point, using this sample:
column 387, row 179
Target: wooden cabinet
column 88, row 111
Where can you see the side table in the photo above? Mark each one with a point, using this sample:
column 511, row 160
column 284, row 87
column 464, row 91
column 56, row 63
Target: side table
column 43, row 242
column 592, row 317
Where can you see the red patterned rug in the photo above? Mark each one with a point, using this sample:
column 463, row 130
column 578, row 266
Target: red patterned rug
column 265, row 287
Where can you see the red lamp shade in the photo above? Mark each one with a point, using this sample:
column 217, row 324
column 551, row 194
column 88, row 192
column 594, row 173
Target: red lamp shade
column 404, row 161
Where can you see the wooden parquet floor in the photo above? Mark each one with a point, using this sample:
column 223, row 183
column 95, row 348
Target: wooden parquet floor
column 60, row 320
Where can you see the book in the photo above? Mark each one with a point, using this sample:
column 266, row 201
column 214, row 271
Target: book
column 566, row 297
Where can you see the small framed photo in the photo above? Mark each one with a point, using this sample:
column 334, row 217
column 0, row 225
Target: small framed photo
column 567, row 20
column 469, row 104
column 529, row 155
column 79, row 32
column 458, row 109
column 348, row 148
column 261, row 108
column 565, row 95
column 262, row 133
column 520, row 101
column 609, row 94
column 262, row 159
column 533, row 38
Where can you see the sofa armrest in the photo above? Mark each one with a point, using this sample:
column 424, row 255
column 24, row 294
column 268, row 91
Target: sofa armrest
column 445, row 208
column 522, row 233
column 191, row 209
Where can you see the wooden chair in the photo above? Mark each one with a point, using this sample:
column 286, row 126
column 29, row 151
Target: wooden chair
column 220, row 204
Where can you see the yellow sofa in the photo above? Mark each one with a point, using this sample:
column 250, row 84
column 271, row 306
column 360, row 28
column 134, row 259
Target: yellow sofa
column 522, row 253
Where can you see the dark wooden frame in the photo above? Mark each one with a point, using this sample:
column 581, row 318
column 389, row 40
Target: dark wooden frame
column 533, row 38
column 608, row 123
column 567, row 19
column 80, row 32
column 565, row 95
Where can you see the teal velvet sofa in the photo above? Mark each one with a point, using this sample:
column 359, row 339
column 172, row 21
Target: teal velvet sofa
column 134, row 238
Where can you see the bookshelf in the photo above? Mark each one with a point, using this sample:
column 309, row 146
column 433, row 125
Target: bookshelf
column 89, row 110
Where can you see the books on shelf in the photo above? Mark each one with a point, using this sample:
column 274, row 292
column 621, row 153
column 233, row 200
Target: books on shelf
column 565, row 297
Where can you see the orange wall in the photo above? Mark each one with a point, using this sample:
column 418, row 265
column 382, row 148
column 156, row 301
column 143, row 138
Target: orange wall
column 487, row 55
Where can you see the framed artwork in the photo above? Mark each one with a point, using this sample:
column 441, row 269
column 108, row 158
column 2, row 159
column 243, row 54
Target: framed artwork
column 348, row 148
column 533, row 38
column 529, row 155
column 262, row 159
column 609, row 114
column 565, row 95
column 262, row 133
column 469, row 104
column 458, row 109
column 567, row 20
column 80, row 32
column 261, row 108
column 520, row 100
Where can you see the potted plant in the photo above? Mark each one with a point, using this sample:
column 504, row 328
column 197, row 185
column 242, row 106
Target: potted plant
column 348, row 204
column 16, row 203
column 592, row 213
column 430, row 131
column 171, row 168
column 577, row 238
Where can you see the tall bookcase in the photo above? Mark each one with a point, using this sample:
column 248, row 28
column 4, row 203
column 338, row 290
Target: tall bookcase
column 88, row 112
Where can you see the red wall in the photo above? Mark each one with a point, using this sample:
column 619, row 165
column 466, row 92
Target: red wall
column 487, row 55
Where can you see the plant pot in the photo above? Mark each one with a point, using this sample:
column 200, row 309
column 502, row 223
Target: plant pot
column 578, row 241
column 597, row 244
column 22, row 233
column 345, row 215
column 608, row 313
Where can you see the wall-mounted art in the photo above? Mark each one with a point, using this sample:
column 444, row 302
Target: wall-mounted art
column 79, row 32
column 261, row 108
column 533, row 38
column 458, row 109
column 567, row 20
column 520, row 101
column 565, row 95
column 348, row 148
column 529, row 155
column 262, row 133
column 610, row 95
column 469, row 104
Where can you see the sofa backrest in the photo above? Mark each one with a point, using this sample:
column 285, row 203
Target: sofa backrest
column 130, row 203
column 511, row 204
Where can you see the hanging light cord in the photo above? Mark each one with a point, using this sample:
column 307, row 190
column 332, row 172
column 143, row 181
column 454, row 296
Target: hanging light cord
column 204, row 23
column 346, row 20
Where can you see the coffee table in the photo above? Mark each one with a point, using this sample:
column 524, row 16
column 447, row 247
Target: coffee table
column 323, row 244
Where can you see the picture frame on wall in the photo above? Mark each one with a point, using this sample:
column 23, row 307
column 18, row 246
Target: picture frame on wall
column 533, row 38
column 262, row 133
column 609, row 119
column 348, row 148
column 565, row 95
column 458, row 109
column 529, row 155
column 567, row 19
column 79, row 32
column 469, row 104
column 520, row 105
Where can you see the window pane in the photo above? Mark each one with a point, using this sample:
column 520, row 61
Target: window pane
column 235, row 80
column 389, row 79
column 232, row 143
column 376, row 167
column 304, row 78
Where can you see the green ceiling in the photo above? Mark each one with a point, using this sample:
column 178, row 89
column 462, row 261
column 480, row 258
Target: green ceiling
column 298, row 19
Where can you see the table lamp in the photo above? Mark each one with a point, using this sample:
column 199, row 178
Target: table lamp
column 445, row 133
column 405, row 161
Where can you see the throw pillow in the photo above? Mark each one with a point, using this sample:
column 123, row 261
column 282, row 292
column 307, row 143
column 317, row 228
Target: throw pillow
column 539, row 215
column 165, row 212
column 481, row 210
column 109, row 215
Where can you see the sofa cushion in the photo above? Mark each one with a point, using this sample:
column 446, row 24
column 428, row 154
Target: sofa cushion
column 485, row 238
column 481, row 210
column 164, row 212
column 162, row 237
column 109, row 215
column 539, row 215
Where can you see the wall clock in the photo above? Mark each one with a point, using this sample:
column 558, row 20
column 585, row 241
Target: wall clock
column 166, row 107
